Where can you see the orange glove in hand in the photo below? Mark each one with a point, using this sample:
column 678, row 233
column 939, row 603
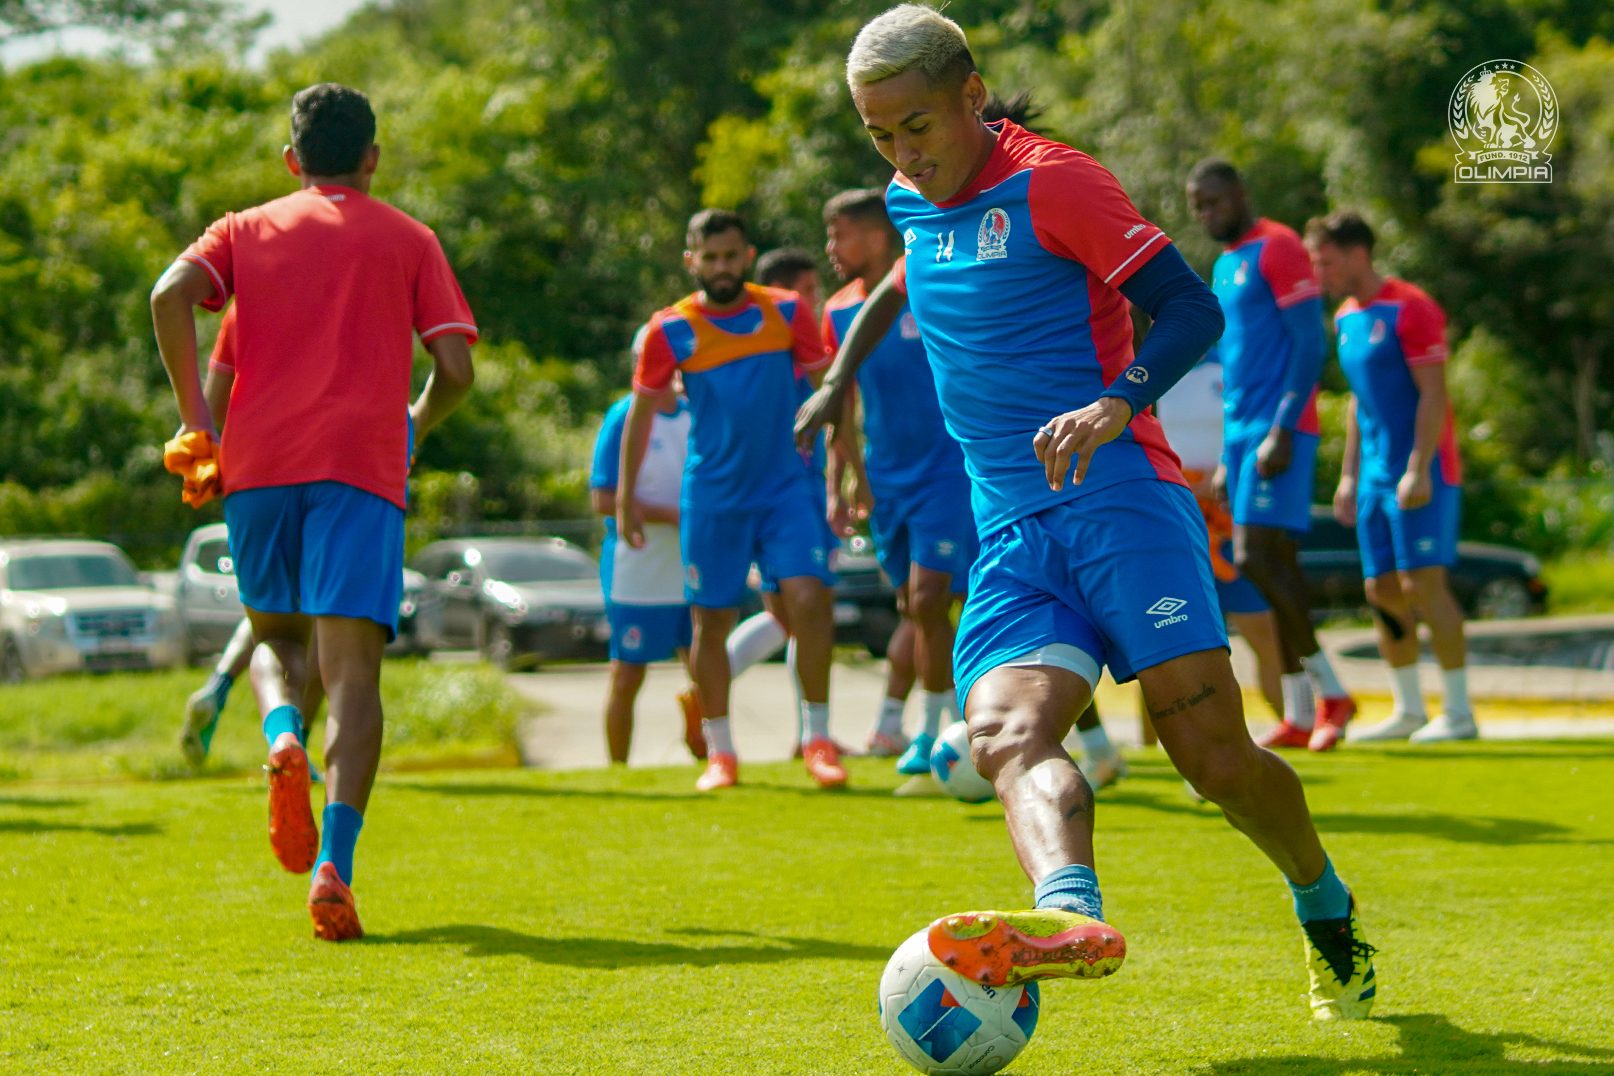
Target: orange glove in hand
column 194, row 457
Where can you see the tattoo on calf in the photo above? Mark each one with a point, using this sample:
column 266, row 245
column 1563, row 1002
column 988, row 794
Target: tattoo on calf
column 1184, row 703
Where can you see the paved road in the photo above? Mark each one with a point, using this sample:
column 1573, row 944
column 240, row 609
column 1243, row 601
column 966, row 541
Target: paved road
column 569, row 734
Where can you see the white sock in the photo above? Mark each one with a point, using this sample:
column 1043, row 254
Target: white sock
column 1406, row 692
column 952, row 708
column 890, row 720
column 814, row 721
column 1096, row 744
column 1322, row 675
column 802, row 734
column 755, row 639
column 718, row 739
column 935, row 703
column 1299, row 705
column 1457, row 704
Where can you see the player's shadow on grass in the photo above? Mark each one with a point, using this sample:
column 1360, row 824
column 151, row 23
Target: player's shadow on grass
column 1464, row 829
column 611, row 953
column 475, row 788
column 1432, row 1043
column 38, row 801
column 122, row 829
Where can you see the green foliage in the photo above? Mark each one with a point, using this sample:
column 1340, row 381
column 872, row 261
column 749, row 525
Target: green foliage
column 559, row 168
column 615, row 922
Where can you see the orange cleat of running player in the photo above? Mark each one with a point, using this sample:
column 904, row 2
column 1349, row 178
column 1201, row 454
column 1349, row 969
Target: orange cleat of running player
column 694, row 739
column 1005, row 948
column 292, row 833
column 330, row 903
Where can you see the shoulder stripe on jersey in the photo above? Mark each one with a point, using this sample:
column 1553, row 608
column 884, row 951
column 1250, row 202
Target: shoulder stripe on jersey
column 1158, row 235
column 218, row 281
column 449, row 326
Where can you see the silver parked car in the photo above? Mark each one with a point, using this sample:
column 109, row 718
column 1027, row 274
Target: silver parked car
column 209, row 597
column 68, row 605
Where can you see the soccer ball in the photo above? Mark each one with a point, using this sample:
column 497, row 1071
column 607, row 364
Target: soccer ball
column 942, row 1023
column 950, row 762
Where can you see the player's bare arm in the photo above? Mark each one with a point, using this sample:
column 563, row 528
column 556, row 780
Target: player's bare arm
column 178, row 292
column 1345, row 493
column 447, row 384
column 873, row 322
column 1417, row 486
column 220, row 381
column 630, row 519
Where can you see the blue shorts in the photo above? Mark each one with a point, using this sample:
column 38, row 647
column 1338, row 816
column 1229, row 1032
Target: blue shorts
column 784, row 539
column 1241, row 595
column 1395, row 540
column 1121, row 577
column 1283, row 502
column 932, row 527
column 768, row 582
column 321, row 549
column 641, row 634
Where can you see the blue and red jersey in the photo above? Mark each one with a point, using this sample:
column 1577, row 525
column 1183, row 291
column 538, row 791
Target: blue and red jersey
column 906, row 446
column 1015, row 284
column 739, row 369
column 1263, row 273
column 1380, row 343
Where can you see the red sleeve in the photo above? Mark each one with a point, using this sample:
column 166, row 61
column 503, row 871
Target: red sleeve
column 654, row 363
column 214, row 253
column 1080, row 212
column 807, row 344
column 899, row 275
column 440, row 306
column 1421, row 328
column 1286, row 267
column 224, row 346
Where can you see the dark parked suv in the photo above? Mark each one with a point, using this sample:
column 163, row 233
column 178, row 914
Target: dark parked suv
column 1487, row 580
column 520, row 601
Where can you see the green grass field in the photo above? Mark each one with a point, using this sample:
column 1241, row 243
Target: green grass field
column 617, row 923
column 83, row 727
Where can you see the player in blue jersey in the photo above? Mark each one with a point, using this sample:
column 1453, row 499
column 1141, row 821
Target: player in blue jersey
column 923, row 532
column 746, row 496
column 644, row 586
column 1024, row 255
column 1271, row 354
column 1401, row 481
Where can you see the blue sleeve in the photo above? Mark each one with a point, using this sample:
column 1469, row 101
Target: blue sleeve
column 1187, row 321
column 608, row 448
column 1308, row 344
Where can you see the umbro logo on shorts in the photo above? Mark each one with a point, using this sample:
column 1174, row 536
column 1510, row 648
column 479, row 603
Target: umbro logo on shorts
column 1169, row 610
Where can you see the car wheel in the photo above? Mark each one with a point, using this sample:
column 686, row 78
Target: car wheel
column 1502, row 599
column 11, row 667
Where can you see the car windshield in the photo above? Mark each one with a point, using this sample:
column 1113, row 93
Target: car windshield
column 214, row 557
column 539, row 565
column 70, row 571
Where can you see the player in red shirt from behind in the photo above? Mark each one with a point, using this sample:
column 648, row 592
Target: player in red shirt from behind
column 331, row 289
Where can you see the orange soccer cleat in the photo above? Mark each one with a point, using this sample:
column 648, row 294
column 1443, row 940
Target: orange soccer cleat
column 1005, row 948
column 1333, row 714
column 1285, row 735
column 694, row 738
column 330, row 903
column 722, row 771
column 824, row 763
column 292, row 833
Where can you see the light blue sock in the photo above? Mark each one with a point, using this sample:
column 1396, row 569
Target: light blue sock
column 282, row 719
column 1326, row 898
column 339, row 833
column 1073, row 888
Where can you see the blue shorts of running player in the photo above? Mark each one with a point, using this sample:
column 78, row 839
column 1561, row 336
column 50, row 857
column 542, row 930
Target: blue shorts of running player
column 784, row 538
column 932, row 527
column 1393, row 539
column 1283, row 502
column 320, row 549
column 1120, row 577
column 641, row 634
column 1240, row 595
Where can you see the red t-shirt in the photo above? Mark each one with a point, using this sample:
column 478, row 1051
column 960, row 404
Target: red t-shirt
column 331, row 287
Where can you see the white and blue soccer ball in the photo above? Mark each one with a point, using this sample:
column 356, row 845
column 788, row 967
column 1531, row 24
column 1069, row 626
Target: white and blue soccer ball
column 950, row 762
column 942, row 1023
